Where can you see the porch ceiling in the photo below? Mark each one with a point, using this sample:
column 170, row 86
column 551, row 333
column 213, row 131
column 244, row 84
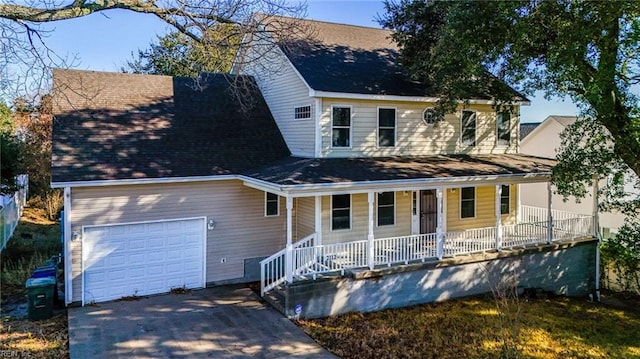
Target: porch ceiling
column 301, row 173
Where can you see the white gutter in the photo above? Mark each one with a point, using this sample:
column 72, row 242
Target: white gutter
column 348, row 187
column 134, row 181
column 409, row 184
column 358, row 96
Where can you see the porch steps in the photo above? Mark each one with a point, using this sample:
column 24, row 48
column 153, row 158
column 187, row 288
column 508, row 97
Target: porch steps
column 276, row 297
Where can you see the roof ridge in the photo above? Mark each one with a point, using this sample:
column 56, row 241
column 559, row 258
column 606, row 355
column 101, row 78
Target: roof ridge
column 351, row 25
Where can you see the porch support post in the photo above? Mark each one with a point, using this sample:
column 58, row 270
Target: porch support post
column 370, row 231
column 318, row 221
column 596, row 212
column 498, row 217
column 549, row 215
column 289, row 249
column 518, row 205
column 439, row 226
column 597, row 234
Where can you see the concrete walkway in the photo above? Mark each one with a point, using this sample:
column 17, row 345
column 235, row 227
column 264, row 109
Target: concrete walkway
column 221, row 322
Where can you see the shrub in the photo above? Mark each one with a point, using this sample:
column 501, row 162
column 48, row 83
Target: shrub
column 621, row 253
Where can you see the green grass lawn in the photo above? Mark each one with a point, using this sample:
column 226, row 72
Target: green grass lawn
column 473, row 328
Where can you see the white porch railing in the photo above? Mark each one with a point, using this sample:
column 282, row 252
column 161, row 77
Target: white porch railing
column 469, row 241
column 405, row 249
column 308, row 259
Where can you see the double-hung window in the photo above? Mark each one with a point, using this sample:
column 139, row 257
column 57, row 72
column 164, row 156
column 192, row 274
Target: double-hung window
column 386, row 127
column 468, row 132
column 271, row 204
column 341, row 127
column 504, row 200
column 386, row 208
column 467, row 202
column 341, row 211
column 503, row 128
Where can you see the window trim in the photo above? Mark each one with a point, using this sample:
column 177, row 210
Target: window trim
column 350, row 126
column 475, row 204
column 303, row 118
column 424, row 112
column 475, row 129
column 508, row 198
column 266, row 202
column 498, row 144
column 395, row 200
column 350, row 211
column 395, row 125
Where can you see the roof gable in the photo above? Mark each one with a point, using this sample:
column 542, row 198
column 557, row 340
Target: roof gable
column 343, row 58
column 111, row 126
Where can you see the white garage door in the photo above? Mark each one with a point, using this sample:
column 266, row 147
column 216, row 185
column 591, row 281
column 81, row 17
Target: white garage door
column 142, row 258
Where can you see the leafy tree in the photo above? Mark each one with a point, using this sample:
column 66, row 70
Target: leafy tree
column 10, row 152
column 25, row 60
column 33, row 125
column 588, row 50
column 176, row 54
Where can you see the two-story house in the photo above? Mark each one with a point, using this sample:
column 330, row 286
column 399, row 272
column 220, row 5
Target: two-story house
column 339, row 190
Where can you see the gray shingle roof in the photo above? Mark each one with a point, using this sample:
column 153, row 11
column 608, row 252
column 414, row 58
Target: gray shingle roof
column 527, row 128
column 110, row 126
column 353, row 59
column 300, row 171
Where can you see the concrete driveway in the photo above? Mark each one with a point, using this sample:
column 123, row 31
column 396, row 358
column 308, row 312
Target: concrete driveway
column 221, row 322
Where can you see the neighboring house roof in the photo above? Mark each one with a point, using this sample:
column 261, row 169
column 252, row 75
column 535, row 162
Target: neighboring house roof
column 353, row 59
column 112, row 126
column 526, row 134
column 300, row 171
column 526, row 128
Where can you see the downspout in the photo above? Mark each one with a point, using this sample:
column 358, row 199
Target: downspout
column 596, row 232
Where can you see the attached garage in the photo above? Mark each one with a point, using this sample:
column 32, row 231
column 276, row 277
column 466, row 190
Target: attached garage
column 142, row 258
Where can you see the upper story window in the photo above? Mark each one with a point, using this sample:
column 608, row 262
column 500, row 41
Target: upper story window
column 302, row 112
column 341, row 127
column 271, row 204
column 386, row 127
column 468, row 128
column 504, row 200
column 386, row 208
column 503, row 128
column 429, row 116
column 341, row 211
column 467, row 202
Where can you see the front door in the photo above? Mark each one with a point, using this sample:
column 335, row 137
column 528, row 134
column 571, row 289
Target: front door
column 428, row 211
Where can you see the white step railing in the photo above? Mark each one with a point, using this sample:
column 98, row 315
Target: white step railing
column 273, row 268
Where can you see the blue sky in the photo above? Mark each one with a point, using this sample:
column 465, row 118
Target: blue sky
column 105, row 41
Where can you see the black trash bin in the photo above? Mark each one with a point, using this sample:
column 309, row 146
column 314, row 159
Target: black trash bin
column 40, row 293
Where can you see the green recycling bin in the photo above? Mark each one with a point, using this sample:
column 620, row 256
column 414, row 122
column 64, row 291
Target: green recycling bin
column 40, row 292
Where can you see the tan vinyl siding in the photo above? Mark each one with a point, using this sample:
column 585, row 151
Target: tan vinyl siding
column 413, row 137
column 242, row 230
column 305, row 216
column 283, row 90
column 360, row 218
column 485, row 214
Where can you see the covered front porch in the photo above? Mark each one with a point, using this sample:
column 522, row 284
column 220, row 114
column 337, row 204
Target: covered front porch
column 349, row 214
column 307, row 259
